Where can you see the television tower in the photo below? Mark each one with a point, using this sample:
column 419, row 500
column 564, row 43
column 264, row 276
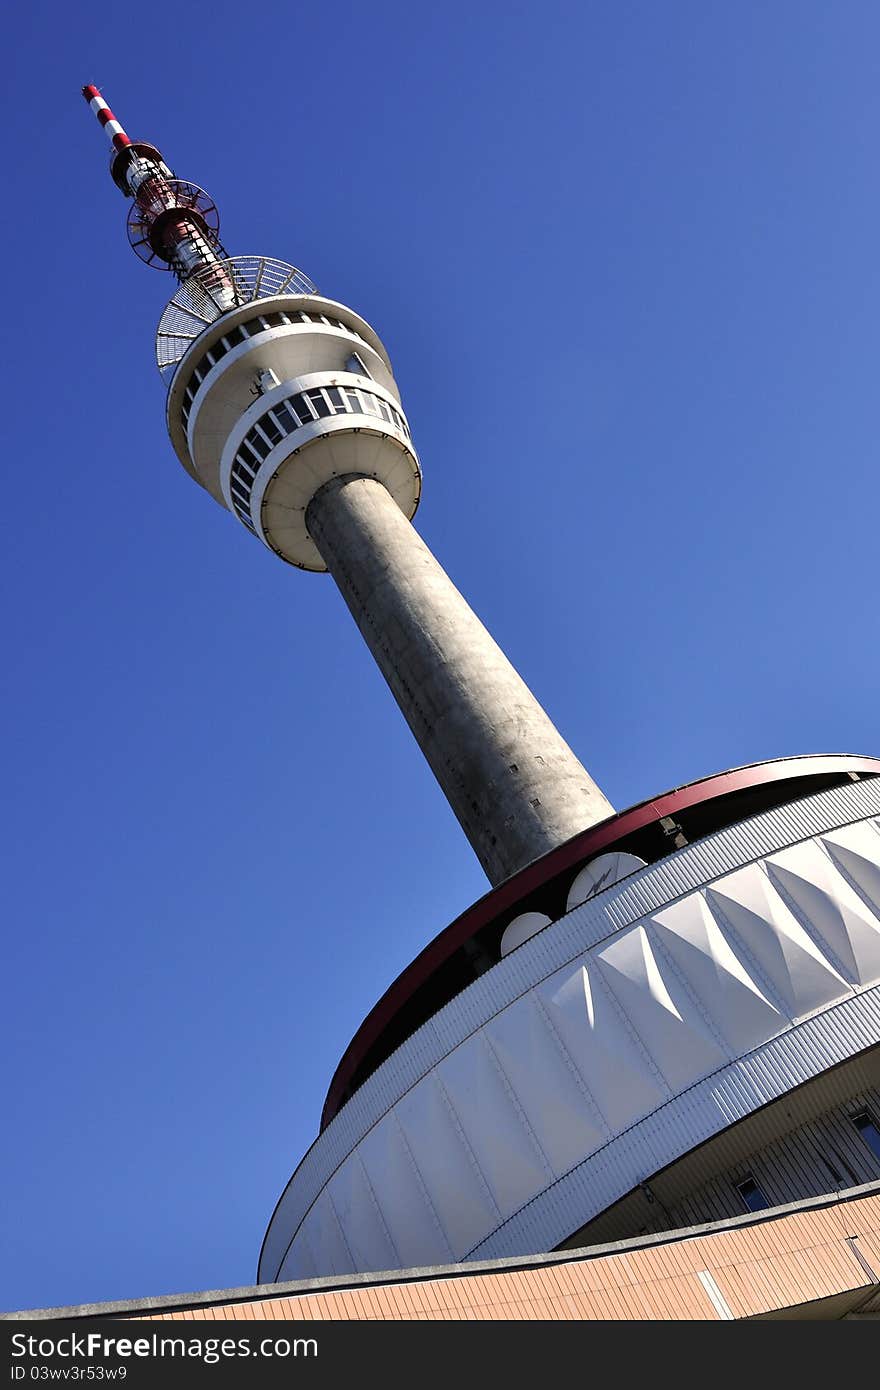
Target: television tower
column 283, row 406
column 657, row 1017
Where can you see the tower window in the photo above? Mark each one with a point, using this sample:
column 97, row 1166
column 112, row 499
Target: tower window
column 867, row 1128
column 284, row 418
column 334, row 395
column 248, row 448
column 356, row 364
column 271, row 429
column 318, row 403
column 751, row 1194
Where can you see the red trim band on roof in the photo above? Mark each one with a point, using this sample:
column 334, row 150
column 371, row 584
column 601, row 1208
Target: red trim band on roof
column 573, row 853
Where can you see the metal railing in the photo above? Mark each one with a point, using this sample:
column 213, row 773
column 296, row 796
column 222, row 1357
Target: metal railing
column 212, row 292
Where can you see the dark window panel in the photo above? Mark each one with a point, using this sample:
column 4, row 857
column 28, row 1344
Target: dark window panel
column 752, row 1195
column 259, row 445
column 302, row 409
column 318, row 404
column 284, row 418
column 868, row 1130
column 269, row 427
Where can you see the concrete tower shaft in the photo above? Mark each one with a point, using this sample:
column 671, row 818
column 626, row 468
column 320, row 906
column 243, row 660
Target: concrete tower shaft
column 514, row 784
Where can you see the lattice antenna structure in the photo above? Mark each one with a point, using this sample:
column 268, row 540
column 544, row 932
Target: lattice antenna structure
column 172, row 223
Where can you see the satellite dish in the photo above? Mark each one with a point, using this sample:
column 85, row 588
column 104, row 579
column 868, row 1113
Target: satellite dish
column 521, row 928
column 599, row 874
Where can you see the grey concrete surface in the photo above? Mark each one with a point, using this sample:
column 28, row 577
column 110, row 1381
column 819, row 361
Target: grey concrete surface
column 513, row 782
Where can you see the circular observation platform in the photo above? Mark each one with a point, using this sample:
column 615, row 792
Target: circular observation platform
column 497, row 1104
column 274, row 390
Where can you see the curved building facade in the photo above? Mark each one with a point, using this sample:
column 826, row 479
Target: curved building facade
column 636, row 1029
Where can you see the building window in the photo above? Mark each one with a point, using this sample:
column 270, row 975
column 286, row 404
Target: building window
column 867, row 1128
column 357, row 365
column 244, row 467
column 253, row 462
column 334, row 395
column 258, row 444
column 751, row 1194
column 284, row 418
column 242, row 475
column 271, row 429
column 318, row 403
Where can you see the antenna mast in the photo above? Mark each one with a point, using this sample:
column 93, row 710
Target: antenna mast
column 172, row 224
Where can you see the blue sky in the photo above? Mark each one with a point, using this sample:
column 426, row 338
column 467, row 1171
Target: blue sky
column 624, row 257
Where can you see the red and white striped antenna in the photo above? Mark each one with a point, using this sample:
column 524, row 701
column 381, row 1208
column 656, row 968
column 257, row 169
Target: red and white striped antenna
column 112, row 128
